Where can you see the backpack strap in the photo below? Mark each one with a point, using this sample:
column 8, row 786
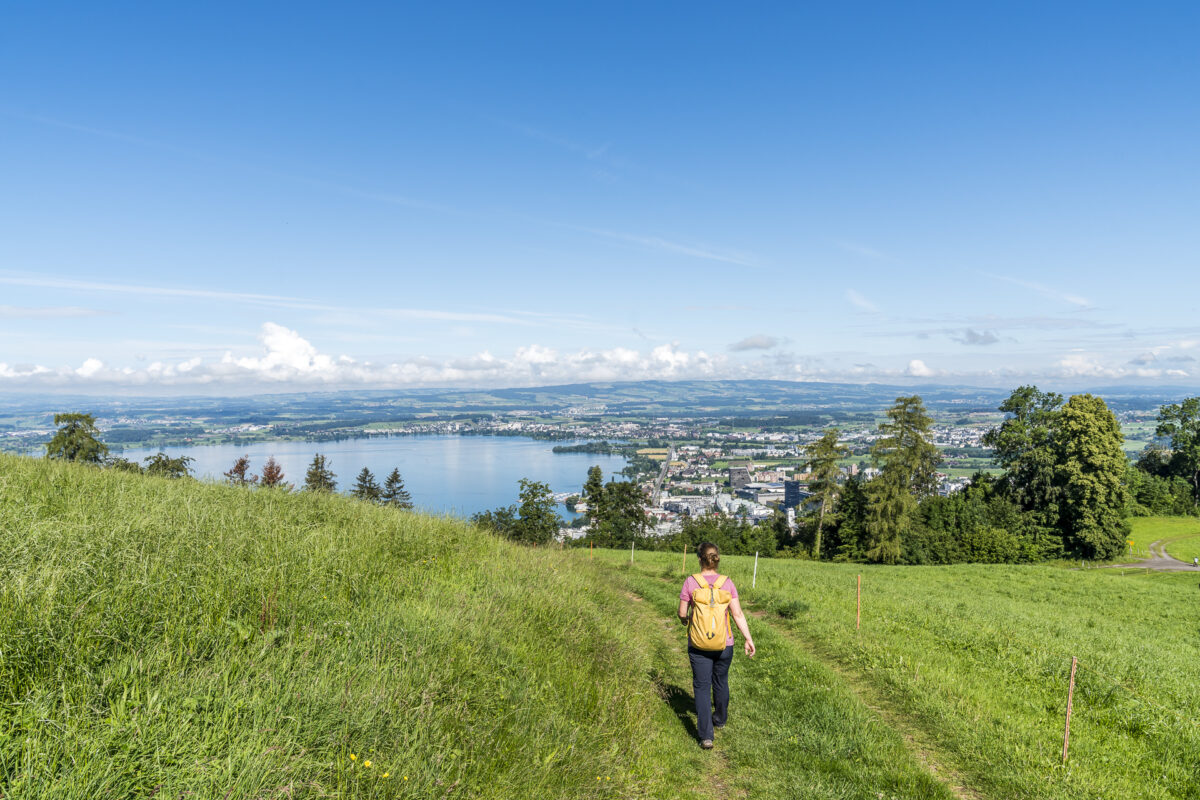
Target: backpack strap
column 720, row 582
column 700, row 580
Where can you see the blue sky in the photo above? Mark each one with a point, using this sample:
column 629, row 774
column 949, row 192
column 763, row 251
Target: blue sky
column 232, row 197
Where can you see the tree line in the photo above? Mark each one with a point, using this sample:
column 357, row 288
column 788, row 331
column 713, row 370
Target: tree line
column 77, row 439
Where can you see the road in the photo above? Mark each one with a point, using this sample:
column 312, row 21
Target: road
column 1160, row 560
column 662, row 476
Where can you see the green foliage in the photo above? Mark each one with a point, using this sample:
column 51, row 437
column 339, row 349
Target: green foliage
column 366, row 487
column 1091, row 468
column 823, row 456
column 163, row 466
column 76, row 439
column 616, row 511
column 533, row 521
column 1180, row 422
column 394, row 493
column 121, row 464
column 161, row 638
column 320, row 477
column 1024, row 446
column 904, row 450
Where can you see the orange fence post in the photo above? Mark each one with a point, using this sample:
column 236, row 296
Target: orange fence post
column 1070, row 700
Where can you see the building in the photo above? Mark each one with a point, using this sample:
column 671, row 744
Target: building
column 738, row 478
column 794, row 493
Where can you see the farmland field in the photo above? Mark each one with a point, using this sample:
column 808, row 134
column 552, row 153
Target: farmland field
column 974, row 662
column 1181, row 535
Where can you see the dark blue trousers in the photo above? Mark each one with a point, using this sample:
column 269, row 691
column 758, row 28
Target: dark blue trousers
column 710, row 687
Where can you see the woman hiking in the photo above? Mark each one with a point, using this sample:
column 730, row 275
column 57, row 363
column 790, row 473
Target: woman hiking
column 706, row 602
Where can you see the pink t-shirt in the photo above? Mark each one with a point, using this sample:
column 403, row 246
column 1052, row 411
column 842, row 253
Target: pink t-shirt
column 690, row 585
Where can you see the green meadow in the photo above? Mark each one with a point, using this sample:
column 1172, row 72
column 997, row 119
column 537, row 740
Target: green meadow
column 1181, row 535
column 181, row 639
column 972, row 664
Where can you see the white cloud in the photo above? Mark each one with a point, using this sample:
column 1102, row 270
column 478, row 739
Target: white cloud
column 861, row 302
column 917, row 369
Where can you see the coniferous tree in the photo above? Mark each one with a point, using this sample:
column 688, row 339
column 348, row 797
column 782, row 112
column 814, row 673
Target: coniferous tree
column 904, row 450
column 823, row 456
column 394, row 493
column 76, row 439
column 593, row 493
column 365, row 487
column 272, row 474
column 320, row 477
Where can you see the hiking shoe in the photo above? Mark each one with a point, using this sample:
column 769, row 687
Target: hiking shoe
column 706, row 744
column 719, row 727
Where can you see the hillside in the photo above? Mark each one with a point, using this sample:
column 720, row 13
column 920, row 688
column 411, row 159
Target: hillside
column 162, row 637
column 181, row 639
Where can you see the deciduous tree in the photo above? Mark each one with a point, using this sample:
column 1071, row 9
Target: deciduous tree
column 239, row 473
column 1091, row 468
column 164, row 466
column 76, row 439
column 1180, row 422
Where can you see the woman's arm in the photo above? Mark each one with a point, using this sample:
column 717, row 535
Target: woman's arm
column 739, row 619
column 683, row 611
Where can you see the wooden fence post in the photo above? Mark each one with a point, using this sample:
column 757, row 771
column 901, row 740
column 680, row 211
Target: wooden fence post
column 858, row 612
column 683, row 560
column 631, row 552
column 754, row 582
column 1070, row 701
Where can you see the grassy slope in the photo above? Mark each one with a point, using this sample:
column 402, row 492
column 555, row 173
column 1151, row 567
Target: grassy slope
column 165, row 637
column 977, row 657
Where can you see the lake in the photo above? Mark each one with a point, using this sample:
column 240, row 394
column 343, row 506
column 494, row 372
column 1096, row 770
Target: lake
column 444, row 474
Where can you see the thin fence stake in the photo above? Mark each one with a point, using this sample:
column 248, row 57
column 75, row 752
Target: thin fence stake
column 858, row 613
column 591, row 549
column 1070, row 701
column 631, row 552
column 683, row 560
column 754, row 582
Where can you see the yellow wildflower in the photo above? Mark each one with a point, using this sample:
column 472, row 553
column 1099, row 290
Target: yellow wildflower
column 386, row 774
column 366, row 763
column 352, row 756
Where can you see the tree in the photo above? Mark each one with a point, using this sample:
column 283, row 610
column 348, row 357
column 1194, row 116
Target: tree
column 272, row 475
column 823, row 456
column 1180, row 422
column 904, row 449
column 164, row 466
column 320, row 477
column 121, row 464
column 1091, row 468
column 394, row 493
column 534, row 521
column 538, row 522
column 366, row 487
column 889, row 508
column 593, row 492
column 621, row 515
column 76, row 439
column 238, row 474
column 1024, row 446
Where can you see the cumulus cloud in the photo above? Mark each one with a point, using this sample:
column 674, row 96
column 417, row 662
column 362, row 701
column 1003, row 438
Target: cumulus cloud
column 971, row 336
column 756, row 342
column 917, row 369
column 287, row 358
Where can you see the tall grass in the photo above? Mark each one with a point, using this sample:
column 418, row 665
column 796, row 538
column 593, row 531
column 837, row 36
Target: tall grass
column 179, row 639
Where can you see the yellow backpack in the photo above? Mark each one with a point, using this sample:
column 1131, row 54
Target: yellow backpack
column 708, row 622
